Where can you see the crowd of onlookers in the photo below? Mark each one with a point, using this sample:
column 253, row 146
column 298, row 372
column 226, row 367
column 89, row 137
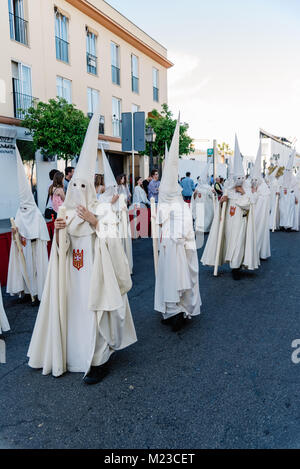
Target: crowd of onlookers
column 57, row 190
column 143, row 190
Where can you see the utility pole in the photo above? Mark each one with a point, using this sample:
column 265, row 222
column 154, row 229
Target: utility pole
column 215, row 159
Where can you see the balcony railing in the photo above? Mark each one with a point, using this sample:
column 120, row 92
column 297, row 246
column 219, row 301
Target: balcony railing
column 91, row 63
column 155, row 94
column 134, row 84
column 101, row 123
column 18, row 29
column 22, row 102
column 62, row 49
column 115, row 73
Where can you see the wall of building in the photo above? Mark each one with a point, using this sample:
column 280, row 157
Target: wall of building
column 40, row 55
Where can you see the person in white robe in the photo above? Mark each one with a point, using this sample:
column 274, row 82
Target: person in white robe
column 289, row 199
column 262, row 209
column 177, row 295
column 274, row 180
column 202, row 205
column 4, row 327
column 239, row 244
column 80, row 326
column 34, row 236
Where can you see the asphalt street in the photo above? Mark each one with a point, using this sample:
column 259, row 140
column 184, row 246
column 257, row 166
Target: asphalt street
column 226, row 381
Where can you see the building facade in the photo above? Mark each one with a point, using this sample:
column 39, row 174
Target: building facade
column 276, row 150
column 80, row 50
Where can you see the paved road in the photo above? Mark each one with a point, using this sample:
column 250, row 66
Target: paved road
column 226, row 381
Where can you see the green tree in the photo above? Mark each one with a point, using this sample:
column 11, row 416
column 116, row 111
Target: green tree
column 164, row 125
column 27, row 152
column 57, row 128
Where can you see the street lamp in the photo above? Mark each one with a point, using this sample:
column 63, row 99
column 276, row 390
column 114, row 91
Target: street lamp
column 150, row 138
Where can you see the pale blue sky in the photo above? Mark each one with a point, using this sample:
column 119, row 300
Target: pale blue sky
column 237, row 64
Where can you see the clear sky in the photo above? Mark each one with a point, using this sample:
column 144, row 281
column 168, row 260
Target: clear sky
column 237, row 64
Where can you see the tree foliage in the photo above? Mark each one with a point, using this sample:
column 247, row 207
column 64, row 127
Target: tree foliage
column 164, row 125
column 57, row 128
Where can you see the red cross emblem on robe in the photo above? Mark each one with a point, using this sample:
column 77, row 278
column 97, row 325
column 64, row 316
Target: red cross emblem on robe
column 78, row 259
column 232, row 211
column 199, row 195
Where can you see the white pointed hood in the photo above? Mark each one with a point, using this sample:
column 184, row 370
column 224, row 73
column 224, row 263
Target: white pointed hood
column 203, row 177
column 81, row 189
column 288, row 173
column 29, row 219
column 238, row 169
column 170, row 190
column 256, row 176
column 111, row 186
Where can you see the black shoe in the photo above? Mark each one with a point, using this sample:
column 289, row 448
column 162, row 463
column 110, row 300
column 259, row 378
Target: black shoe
column 167, row 322
column 36, row 302
column 179, row 322
column 236, row 274
column 96, row 374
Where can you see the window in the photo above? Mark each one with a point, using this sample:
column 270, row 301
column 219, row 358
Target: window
column 63, row 89
column 91, row 56
column 115, row 63
column 116, row 117
column 134, row 73
column 22, row 89
column 17, row 24
column 155, row 85
column 135, row 108
column 61, row 37
column 93, row 99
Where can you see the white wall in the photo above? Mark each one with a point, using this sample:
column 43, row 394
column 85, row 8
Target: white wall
column 195, row 168
column 8, row 174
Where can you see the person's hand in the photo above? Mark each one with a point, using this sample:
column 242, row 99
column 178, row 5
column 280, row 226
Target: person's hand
column 224, row 199
column 60, row 224
column 115, row 198
column 296, row 201
column 23, row 241
column 240, row 190
column 86, row 215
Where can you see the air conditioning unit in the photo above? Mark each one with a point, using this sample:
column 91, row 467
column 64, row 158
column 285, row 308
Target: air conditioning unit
column 92, row 62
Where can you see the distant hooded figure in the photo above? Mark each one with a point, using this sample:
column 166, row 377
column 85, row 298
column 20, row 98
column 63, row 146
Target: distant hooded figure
column 97, row 278
column 203, row 205
column 289, row 198
column 34, row 236
column 262, row 209
column 177, row 295
column 239, row 244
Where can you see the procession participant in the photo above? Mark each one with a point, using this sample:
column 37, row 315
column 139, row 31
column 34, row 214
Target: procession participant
column 202, row 206
column 177, row 295
column 239, row 245
column 262, row 209
column 79, row 327
column 29, row 263
column 274, row 181
column 121, row 207
column 289, row 198
column 4, row 327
